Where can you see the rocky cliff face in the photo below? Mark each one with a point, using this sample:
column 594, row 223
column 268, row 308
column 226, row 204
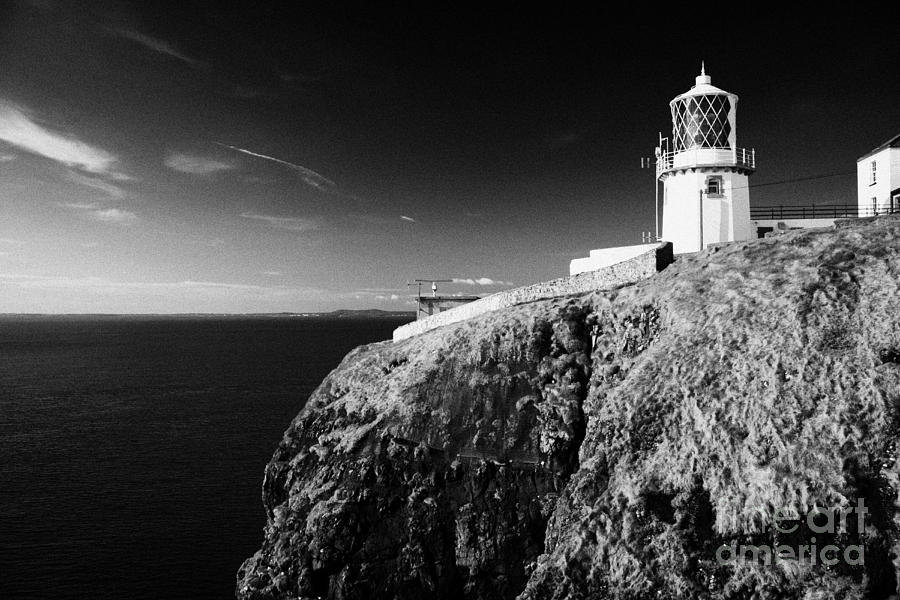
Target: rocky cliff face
column 610, row 445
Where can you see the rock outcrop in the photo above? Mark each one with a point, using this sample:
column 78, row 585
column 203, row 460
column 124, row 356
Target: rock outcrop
column 610, row 445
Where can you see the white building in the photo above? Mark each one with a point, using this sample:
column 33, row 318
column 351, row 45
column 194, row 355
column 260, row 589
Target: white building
column 706, row 196
column 878, row 179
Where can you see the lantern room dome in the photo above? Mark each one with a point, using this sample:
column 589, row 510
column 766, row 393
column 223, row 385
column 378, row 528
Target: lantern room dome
column 703, row 86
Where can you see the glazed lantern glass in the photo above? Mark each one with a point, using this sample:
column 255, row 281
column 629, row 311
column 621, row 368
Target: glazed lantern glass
column 701, row 122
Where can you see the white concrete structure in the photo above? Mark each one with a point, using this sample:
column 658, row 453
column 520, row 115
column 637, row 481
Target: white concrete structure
column 878, row 179
column 706, row 198
column 766, row 227
column 605, row 257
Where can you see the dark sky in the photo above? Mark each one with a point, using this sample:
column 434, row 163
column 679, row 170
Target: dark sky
column 256, row 157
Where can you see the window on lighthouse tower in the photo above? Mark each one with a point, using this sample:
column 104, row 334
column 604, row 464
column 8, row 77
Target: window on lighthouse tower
column 713, row 186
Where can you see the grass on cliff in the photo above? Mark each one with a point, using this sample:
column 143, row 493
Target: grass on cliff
column 763, row 390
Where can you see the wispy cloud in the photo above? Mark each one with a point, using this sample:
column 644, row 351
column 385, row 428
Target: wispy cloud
column 374, row 219
column 18, row 128
column 7, row 157
column 11, row 242
column 371, row 219
column 39, row 281
column 376, row 290
column 310, row 177
column 482, row 281
column 158, row 45
column 38, row 293
column 114, row 215
column 111, row 190
column 104, row 215
column 80, row 205
column 380, row 294
column 196, row 165
column 286, row 223
column 271, row 273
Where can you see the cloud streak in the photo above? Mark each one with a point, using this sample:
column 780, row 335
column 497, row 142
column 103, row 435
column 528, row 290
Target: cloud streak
column 158, row 46
column 196, row 165
column 61, row 294
column 310, row 177
column 286, row 223
column 112, row 288
column 482, row 281
column 104, row 215
column 109, row 189
column 410, row 219
column 113, row 215
column 52, row 281
column 19, row 129
column 379, row 294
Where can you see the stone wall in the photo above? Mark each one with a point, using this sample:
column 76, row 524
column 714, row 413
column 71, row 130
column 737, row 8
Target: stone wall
column 629, row 271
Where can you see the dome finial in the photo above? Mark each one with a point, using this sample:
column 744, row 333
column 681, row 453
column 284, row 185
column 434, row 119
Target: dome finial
column 702, row 78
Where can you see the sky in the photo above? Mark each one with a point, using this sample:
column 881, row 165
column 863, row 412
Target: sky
column 165, row 157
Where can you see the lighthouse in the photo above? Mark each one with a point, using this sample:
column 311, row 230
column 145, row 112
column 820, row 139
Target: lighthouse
column 703, row 171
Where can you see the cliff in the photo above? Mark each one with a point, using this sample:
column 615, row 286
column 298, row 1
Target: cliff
column 609, row 445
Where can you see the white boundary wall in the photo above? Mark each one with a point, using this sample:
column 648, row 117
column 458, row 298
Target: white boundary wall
column 656, row 258
column 605, row 257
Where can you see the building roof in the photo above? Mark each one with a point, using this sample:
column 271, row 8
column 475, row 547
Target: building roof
column 702, row 87
column 460, row 298
column 894, row 142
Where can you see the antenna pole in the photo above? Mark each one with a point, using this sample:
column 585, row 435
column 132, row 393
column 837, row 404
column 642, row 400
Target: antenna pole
column 656, row 189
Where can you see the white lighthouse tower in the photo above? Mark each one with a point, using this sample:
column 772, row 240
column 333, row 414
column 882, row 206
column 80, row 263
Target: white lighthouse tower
column 704, row 173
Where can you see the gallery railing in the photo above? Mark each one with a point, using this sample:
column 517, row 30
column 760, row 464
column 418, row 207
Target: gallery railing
column 693, row 157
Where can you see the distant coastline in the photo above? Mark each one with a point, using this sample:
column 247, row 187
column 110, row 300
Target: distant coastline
column 370, row 313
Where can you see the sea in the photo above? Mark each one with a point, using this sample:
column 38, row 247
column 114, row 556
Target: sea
column 132, row 449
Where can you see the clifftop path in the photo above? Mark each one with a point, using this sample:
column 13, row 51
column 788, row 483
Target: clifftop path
column 606, row 445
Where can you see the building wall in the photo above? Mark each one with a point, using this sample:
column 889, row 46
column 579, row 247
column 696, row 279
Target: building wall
column 725, row 218
column 887, row 179
column 895, row 168
column 680, row 222
column 629, row 271
column 739, row 190
column 604, row 257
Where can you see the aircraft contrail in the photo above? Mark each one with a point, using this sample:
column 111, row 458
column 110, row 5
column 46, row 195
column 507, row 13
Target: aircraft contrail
column 314, row 179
